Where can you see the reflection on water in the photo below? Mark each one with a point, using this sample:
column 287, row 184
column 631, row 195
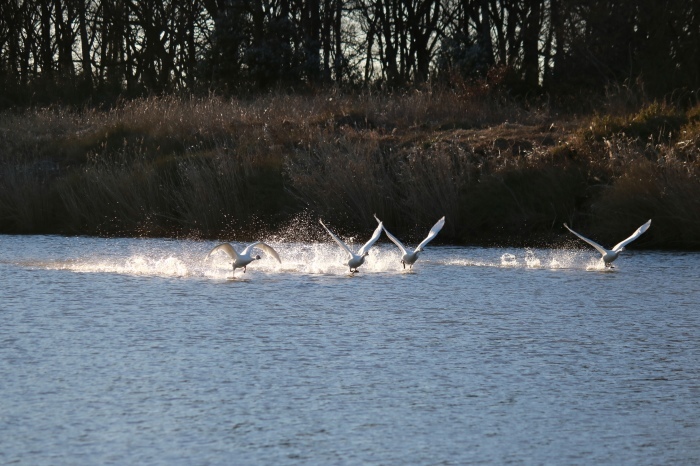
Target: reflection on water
column 143, row 351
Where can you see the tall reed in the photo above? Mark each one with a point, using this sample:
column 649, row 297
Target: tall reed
column 213, row 167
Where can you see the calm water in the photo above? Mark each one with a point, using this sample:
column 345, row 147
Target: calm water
column 139, row 352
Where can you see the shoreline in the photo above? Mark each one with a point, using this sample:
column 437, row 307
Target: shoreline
column 212, row 168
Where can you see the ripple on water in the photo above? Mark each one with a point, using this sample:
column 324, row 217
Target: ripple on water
column 136, row 351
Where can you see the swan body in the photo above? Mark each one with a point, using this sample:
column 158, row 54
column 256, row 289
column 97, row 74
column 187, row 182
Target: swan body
column 410, row 256
column 356, row 260
column 242, row 259
column 609, row 255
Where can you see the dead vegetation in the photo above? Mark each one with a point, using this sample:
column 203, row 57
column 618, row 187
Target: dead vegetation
column 500, row 173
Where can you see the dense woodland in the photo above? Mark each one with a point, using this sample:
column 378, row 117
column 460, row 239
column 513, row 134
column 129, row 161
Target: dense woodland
column 78, row 51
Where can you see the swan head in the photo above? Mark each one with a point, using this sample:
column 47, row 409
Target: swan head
column 365, row 254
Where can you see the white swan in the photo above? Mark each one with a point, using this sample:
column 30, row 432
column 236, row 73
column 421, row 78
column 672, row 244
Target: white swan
column 242, row 259
column 610, row 255
column 410, row 256
column 358, row 259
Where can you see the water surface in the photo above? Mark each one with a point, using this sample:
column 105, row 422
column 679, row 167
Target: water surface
column 139, row 351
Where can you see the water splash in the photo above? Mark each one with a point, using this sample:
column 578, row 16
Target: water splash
column 531, row 260
column 322, row 258
column 136, row 265
column 188, row 259
column 192, row 261
column 598, row 265
column 535, row 259
column 139, row 264
column 509, row 260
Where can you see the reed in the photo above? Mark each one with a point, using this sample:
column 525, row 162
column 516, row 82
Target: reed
column 501, row 173
column 28, row 202
column 660, row 182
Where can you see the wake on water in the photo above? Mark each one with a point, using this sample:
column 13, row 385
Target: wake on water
column 188, row 258
column 190, row 261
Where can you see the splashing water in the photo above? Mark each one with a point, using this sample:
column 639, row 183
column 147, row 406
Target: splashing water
column 138, row 264
column 323, row 258
column 192, row 261
column 531, row 259
column 509, row 260
column 549, row 259
column 188, row 259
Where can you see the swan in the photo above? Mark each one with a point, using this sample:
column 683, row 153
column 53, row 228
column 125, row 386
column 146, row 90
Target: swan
column 242, row 259
column 610, row 255
column 358, row 259
column 410, row 256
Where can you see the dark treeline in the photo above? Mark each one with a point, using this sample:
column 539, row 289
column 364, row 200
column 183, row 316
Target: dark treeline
column 73, row 51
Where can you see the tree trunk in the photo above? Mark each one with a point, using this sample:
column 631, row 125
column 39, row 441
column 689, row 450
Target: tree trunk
column 45, row 47
column 531, row 38
column 85, row 46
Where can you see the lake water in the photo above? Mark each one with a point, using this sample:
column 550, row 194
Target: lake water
column 138, row 351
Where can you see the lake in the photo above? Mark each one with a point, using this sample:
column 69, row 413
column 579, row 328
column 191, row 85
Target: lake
column 139, row 351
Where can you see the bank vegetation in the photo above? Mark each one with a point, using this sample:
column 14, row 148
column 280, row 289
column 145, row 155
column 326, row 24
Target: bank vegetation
column 502, row 172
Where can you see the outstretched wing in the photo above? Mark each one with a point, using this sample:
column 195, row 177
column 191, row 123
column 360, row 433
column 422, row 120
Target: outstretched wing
column 375, row 236
column 600, row 248
column 227, row 248
column 268, row 250
column 392, row 237
column 618, row 247
column 433, row 233
column 336, row 239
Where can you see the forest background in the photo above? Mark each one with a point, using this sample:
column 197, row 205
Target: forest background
column 225, row 118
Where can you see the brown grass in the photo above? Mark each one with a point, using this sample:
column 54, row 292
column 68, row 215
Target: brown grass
column 233, row 168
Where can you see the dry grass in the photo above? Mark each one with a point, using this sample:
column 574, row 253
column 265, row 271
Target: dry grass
column 231, row 168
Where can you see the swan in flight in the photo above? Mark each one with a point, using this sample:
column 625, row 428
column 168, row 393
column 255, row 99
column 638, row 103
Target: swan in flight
column 242, row 259
column 610, row 255
column 358, row 259
column 409, row 256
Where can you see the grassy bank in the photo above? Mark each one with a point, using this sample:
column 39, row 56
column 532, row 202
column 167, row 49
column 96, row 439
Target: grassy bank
column 214, row 168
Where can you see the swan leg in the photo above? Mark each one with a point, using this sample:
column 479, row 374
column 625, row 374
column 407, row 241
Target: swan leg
column 404, row 265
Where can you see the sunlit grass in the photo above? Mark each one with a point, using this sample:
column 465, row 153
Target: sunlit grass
column 212, row 167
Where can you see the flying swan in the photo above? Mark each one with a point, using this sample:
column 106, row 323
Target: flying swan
column 410, row 256
column 358, row 259
column 610, row 255
column 242, row 259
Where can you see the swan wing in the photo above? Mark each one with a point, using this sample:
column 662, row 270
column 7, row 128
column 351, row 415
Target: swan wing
column 393, row 238
column 226, row 248
column 375, row 236
column 337, row 240
column 396, row 241
column 600, row 248
column 265, row 247
column 618, row 247
column 433, row 233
